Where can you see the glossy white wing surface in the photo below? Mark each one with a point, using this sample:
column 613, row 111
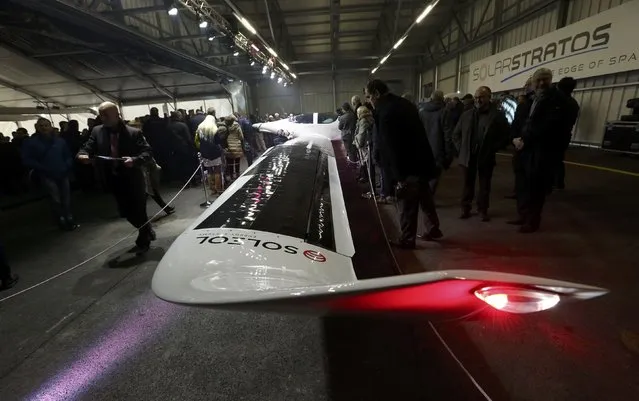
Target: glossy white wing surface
column 310, row 125
column 279, row 235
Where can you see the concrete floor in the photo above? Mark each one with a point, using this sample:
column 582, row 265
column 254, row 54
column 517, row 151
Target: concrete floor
column 582, row 351
column 98, row 333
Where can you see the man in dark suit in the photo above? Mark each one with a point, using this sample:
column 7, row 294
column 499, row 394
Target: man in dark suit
column 122, row 151
column 479, row 134
column 404, row 151
column 537, row 149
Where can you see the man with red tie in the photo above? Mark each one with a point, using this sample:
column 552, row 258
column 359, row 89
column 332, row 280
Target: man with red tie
column 121, row 151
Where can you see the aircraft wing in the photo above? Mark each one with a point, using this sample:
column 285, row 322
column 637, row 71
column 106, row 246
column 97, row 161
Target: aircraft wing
column 279, row 238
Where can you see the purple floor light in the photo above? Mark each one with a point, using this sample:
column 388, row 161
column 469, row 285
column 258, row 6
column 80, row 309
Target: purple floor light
column 148, row 318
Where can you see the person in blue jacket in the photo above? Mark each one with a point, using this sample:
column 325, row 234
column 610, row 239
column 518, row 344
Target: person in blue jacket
column 50, row 161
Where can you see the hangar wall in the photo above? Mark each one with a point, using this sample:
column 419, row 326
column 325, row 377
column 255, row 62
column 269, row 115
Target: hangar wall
column 601, row 98
column 314, row 93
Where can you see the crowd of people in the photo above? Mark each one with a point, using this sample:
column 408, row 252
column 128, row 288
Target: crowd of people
column 403, row 146
column 128, row 159
column 408, row 146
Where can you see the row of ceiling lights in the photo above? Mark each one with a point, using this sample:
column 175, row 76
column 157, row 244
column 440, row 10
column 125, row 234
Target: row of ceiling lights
column 396, row 46
column 173, row 11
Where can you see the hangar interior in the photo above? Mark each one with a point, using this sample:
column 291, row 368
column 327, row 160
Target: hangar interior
column 83, row 322
column 331, row 49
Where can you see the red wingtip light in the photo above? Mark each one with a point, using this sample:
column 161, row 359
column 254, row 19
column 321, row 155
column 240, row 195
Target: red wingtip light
column 517, row 300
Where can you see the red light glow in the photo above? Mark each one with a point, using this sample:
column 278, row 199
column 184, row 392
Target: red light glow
column 497, row 301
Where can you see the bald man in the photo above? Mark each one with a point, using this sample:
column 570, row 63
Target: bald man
column 479, row 134
column 121, row 151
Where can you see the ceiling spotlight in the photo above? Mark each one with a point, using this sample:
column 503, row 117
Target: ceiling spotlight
column 294, row 76
column 236, row 53
column 257, row 49
column 426, row 11
column 272, row 75
column 203, row 24
column 399, row 43
column 382, row 61
column 173, row 11
column 247, row 25
column 285, row 66
column 211, row 38
column 279, row 80
column 284, row 83
column 252, row 63
column 271, row 51
column 264, row 70
column 374, row 70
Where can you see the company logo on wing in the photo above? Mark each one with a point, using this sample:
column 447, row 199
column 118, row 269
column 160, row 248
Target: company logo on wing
column 315, row 256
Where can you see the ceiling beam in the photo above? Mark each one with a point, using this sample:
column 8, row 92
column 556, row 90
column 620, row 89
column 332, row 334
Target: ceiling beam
column 313, row 12
column 346, row 70
column 93, row 89
column 161, row 89
column 329, row 35
column 34, row 95
column 335, row 8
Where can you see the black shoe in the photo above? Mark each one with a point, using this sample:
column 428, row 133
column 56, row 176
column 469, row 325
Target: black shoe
column 528, row 229
column 402, row 244
column 9, row 282
column 518, row 222
column 433, row 235
column 139, row 250
column 465, row 215
column 484, row 217
column 71, row 225
column 169, row 210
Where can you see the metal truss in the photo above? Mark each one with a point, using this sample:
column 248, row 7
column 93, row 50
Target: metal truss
column 472, row 39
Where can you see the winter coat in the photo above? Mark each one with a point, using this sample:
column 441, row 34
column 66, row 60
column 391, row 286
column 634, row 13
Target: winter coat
column 347, row 123
column 48, row 156
column 232, row 139
column 431, row 114
column 206, row 139
column 542, row 133
column 495, row 136
column 364, row 131
column 401, row 142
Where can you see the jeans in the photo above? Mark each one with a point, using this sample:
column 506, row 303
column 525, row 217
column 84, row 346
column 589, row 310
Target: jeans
column 59, row 193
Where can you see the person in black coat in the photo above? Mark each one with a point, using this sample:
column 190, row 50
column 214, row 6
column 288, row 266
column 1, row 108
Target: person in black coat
column 431, row 114
column 521, row 115
column 566, row 86
column 130, row 151
column 537, row 149
column 478, row 136
column 183, row 156
column 405, row 153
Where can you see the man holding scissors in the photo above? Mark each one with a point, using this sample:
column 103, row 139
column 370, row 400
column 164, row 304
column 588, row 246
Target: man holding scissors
column 121, row 151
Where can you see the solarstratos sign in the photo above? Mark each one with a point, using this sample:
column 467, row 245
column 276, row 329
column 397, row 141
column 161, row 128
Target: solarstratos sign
column 599, row 45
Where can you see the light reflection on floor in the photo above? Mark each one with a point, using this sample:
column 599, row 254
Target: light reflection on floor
column 147, row 319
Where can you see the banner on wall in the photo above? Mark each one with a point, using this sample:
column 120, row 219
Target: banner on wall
column 602, row 44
